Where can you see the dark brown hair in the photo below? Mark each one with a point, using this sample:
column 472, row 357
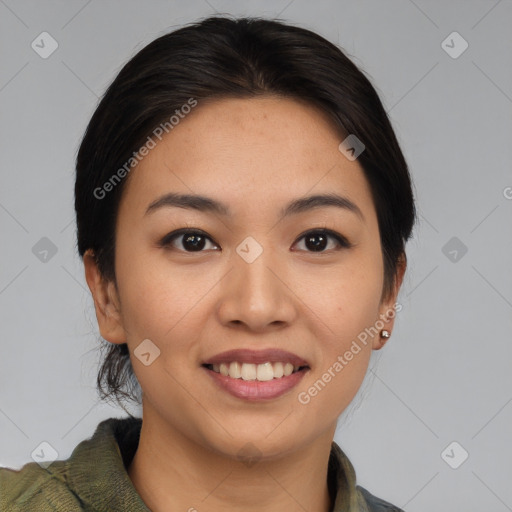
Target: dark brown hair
column 224, row 57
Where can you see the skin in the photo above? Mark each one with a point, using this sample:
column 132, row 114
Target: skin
column 254, row 155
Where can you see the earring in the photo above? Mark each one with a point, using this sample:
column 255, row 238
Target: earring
column 385, row 334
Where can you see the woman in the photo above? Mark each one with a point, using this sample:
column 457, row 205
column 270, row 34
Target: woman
column 242, row 209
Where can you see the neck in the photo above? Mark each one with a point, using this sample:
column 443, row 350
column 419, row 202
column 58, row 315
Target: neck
column 171, row 473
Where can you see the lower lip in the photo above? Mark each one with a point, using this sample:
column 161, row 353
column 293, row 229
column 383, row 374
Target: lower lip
column 256, row 390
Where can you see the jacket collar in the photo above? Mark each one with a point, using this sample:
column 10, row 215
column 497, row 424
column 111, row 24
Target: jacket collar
column 97, row 469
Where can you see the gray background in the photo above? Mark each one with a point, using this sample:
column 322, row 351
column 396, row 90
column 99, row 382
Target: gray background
column 445, row 374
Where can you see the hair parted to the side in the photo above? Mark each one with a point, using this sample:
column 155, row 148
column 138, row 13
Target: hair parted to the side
column 230, row 57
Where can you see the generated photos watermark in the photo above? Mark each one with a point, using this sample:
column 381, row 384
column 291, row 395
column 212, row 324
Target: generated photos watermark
column 304, row 397
column 137, row 156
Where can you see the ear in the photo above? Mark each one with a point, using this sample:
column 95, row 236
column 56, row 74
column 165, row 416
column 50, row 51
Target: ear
column 387, row 309
column 106, row 301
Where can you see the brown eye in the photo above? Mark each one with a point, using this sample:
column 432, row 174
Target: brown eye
column 189, row 240
column 318, row 240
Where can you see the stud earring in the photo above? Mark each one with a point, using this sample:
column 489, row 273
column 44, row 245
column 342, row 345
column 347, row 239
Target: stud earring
column 385, row 334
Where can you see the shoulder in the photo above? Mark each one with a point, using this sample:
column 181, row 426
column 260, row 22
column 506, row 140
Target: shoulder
column 35, row 488
column 375, row 504
column 342, row 476
column 71, row 485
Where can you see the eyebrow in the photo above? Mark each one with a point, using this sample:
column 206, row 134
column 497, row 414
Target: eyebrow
column 207, row 204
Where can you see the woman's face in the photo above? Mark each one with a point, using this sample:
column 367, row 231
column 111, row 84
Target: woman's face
column 250, row 281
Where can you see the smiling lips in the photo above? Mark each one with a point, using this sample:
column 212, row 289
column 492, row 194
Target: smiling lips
column 256, row 375
column 262, row 365
column 249, row 371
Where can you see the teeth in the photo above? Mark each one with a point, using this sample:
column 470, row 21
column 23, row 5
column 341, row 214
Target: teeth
column 235, row 370
column 261, row 372
column 249, row 371
column 264, row 372
column 278, row 370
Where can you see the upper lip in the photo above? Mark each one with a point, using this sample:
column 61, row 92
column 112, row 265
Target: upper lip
column 272, row 355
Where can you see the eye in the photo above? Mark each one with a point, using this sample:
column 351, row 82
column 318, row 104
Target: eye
column 317, row 240
column 192, row 240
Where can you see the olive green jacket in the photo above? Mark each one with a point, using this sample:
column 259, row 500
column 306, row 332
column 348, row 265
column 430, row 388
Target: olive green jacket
column 95, row 479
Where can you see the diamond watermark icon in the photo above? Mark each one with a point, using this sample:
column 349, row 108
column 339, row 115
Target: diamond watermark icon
column 454, row 455
column 146, row 352
column 249, row 454
column 44, row 250
column 351, row 147
column 45, row 454
column 454, row 45
column 454, row 249
column 249, row 249
column 44, row 45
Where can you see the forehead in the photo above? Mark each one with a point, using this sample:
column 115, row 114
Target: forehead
column 254, row 152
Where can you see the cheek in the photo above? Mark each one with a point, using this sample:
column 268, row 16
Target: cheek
column 162, row 306
column 164, row 302
column 349, row 306
column 344, row 351
column 349, row 298
column 155, row 302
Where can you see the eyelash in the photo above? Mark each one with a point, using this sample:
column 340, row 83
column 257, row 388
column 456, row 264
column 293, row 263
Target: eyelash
column 169, row 238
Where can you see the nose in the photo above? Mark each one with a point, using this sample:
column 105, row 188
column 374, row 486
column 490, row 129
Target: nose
column 257, row 296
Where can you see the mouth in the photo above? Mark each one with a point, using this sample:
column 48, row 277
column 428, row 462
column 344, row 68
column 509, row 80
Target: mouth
column 250, row 371
column 256, row 375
